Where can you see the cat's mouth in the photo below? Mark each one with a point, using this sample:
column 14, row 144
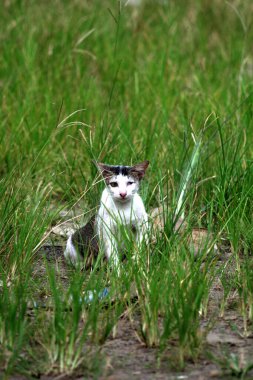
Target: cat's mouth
column 123, row 200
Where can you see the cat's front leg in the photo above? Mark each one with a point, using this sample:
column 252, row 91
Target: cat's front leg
column 111, row 252
column 142, row 231
column 105, row 229
column 141, row 237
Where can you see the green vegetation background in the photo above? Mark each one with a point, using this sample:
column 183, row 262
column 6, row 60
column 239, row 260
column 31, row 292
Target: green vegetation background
column 82, row 80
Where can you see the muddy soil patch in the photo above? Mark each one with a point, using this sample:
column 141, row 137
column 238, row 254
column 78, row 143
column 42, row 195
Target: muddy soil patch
column 125, row 356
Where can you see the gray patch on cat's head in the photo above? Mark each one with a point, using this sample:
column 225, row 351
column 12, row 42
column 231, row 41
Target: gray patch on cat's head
column 137, row 171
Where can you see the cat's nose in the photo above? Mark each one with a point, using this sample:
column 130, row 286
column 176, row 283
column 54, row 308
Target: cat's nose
column 123, row 195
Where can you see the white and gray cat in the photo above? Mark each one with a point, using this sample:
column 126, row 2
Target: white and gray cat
column 120, row 206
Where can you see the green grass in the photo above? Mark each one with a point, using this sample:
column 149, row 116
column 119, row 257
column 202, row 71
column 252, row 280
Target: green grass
column 96, row 80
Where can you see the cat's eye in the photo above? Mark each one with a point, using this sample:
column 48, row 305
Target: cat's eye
column 113, row 184
column 129, row 183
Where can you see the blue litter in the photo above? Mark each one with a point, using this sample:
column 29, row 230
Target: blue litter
column 91, row 294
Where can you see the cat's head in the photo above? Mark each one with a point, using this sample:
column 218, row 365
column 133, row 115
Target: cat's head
column 122, row 181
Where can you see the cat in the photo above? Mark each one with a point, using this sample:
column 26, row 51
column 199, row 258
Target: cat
column 120, row 206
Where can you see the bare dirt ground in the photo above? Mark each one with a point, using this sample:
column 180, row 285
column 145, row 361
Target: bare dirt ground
column 126, row 357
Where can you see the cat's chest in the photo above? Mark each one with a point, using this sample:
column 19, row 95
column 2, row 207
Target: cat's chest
column 115, row 216
column 126, row 216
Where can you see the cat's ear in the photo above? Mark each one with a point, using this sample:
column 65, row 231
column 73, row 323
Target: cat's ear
column 139, row 170
column 104, row 169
